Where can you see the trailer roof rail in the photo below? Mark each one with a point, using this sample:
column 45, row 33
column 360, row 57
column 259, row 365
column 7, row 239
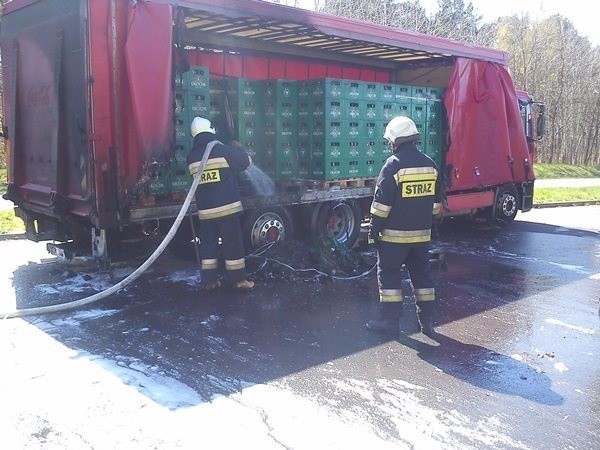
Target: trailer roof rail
column 237, row 23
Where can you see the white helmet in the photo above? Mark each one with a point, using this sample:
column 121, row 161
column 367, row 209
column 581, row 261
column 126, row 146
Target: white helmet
column 401, row 127
column 201, row 125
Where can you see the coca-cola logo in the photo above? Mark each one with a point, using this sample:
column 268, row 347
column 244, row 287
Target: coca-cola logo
column 38, row 96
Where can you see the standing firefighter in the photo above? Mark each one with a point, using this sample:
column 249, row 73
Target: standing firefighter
column 219, row 206
column 401, row 217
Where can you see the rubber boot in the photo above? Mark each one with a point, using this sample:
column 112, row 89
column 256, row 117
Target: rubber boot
column 426, row 311
column 212, row 286
column 244, row 285
column 389, row 319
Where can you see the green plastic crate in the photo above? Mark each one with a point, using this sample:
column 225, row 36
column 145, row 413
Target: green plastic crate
column 374, row 129
column 305, row 110
column 354, row 109
column 180, row 102
column 286, row 169
column 433, row 129
column 403, row 93
column 304, row 148
column 418, row 112
column 304, row 90
column 280, row 90
column 389, row 110
column 327, row 169
column 304, row 129
column 327, row 149
column 303, row 169
column 368, row 148
column 371, row 92
column 371, row 111
column 182, row 128
column 327, row 88
column 353, row 168
column 248, row 90
column 353, row 90
column 404, row 109
column 328, row 109
column 159, row 179
column 353, row 148
column 434, row 93
column 198, row 103
column 197, row 78
column 387, row 92
column 418, row 94
column 434, row 111
column 355, row 129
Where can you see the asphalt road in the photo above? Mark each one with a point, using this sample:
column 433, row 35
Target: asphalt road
column 290, row 365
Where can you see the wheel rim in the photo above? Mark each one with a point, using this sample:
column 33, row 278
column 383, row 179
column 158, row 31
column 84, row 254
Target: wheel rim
column 267, row 228
column 341, row 223
column 508, row 205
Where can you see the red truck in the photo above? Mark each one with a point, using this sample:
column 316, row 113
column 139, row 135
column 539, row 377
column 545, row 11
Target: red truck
column 90, row 98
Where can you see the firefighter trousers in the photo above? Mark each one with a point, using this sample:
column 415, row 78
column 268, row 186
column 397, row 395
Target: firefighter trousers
column 391, row 258
column 230, row 232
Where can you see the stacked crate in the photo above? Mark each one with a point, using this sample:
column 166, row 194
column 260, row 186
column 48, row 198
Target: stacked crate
column 280, row 158
column 433, row 138
column 192, row 98
column 337, row 128
column 236, row 110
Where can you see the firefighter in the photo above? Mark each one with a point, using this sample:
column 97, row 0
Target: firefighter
column 405, row 200
column 219, row 206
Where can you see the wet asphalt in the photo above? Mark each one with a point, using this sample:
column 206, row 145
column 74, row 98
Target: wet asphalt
column 515, row 363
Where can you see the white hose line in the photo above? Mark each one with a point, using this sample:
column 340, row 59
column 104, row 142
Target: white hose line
column 132, row 276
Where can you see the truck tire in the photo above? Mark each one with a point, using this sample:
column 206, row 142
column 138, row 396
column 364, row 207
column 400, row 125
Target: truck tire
column 339, row 220
column 262, row 226
column 506, row 205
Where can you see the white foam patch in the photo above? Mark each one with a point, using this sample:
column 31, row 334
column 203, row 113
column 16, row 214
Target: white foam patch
column 570, row 267
column 560, row 367
column 570, row 326
column 189, row 277
column 75, row 318
column 78, row 283
column 416, row 425
column 163, row 390
column 595, row 276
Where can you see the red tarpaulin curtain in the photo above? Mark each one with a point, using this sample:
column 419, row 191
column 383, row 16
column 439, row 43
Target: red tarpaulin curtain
column 148, row 56
column 485, row 126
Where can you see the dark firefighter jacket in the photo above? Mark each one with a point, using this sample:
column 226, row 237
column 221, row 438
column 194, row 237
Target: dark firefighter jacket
column 406, row 197
column 218, row 192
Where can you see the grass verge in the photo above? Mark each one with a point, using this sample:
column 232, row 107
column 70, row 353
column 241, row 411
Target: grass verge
column 565, row 171
column 553, row 195
column 3, row 172
column 9, row 223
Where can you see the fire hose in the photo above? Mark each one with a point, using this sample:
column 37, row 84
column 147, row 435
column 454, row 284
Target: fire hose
column 133, row 275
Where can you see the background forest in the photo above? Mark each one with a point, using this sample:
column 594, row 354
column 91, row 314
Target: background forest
column 548, row 58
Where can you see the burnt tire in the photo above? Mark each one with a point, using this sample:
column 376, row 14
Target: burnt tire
column 338, row 220
column 506, row 205
column 263, row 226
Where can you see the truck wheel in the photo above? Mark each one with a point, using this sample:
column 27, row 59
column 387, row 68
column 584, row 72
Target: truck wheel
column 264, row 226
column 339, row 220
column 507, row 204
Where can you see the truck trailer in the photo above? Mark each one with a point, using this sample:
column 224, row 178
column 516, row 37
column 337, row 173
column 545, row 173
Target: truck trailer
column 98, row 95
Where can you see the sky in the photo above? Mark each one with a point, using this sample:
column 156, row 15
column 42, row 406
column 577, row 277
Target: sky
column 578, row 11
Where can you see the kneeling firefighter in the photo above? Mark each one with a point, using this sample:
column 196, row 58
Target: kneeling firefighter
column 219, row 206
column 405, row 200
